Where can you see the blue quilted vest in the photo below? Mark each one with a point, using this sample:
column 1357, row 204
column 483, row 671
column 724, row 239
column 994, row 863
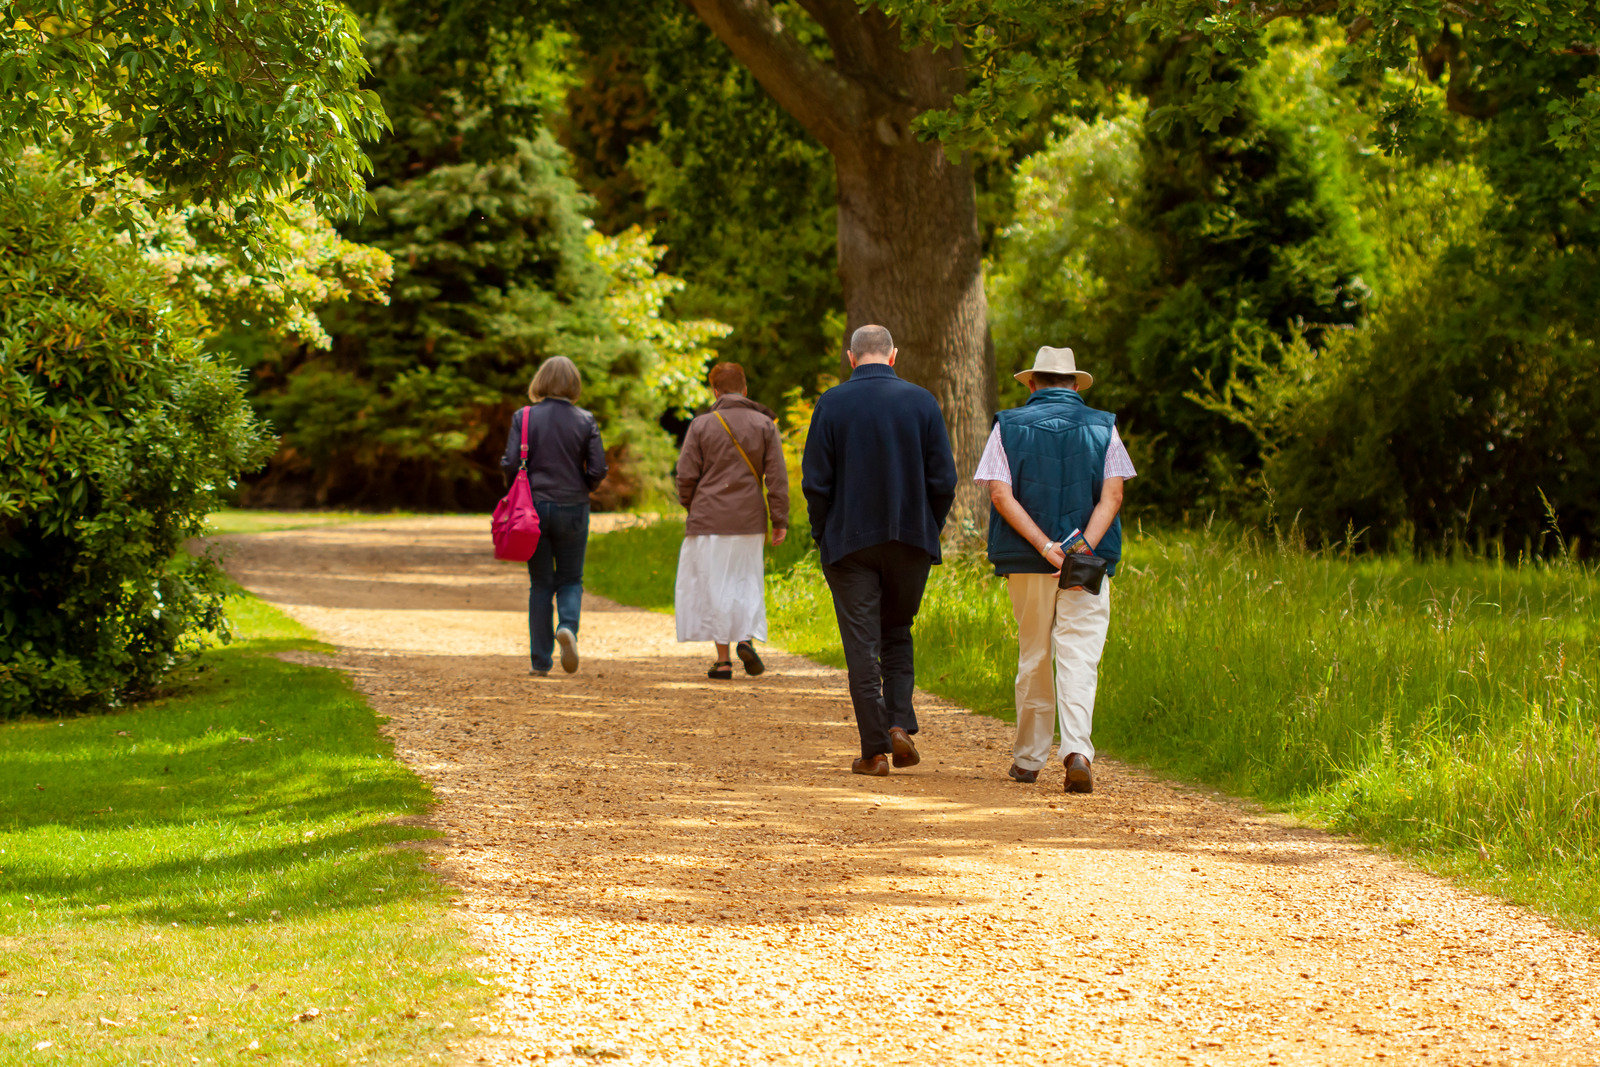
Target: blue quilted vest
column 1056, row 445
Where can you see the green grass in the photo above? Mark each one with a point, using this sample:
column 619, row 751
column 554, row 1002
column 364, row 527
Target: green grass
column 1447, row 709
column 248, row 521
column 180, row 880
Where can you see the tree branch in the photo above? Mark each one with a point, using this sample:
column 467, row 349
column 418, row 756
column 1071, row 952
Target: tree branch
column 821, row 99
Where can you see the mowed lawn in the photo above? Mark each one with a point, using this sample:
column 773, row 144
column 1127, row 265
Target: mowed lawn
column 1448, row 709
column 227, row 873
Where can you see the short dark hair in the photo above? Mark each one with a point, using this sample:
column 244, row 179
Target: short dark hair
column 1045, row 380
column 871, row 341
column 727, row 378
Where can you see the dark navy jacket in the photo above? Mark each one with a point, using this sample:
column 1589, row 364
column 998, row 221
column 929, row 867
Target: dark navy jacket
column 565, row 456
column 1056, row 445
column 877, row 465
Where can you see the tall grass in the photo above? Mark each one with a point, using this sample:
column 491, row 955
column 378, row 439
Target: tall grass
column 1447, row 708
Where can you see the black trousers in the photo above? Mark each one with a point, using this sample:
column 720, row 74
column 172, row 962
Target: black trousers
column 876, row 594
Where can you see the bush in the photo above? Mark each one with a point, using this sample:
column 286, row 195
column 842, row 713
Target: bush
column 120, row 435
column 1166, row 253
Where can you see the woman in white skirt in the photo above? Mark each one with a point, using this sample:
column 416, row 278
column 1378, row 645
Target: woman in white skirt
column 731, row 477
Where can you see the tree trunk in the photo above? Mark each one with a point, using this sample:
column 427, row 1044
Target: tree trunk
column 910, row 255
column 911, row 259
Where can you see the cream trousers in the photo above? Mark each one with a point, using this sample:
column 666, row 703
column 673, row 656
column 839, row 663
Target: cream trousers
column 1060, row 635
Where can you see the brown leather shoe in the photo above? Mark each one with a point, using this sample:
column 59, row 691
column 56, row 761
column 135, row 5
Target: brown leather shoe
column 905, row 749
column 1080, row 775
column 1025, row 777
column 877, row 766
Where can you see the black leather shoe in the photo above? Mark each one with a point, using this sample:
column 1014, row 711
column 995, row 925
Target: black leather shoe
column 1080, row 775
column 1025, row 777
column 905, row 749
column 721, row 670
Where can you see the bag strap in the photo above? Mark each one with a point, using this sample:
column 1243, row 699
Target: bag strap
column 525, row 412
column 760, row 486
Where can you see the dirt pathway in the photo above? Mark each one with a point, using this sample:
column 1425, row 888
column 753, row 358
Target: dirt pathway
column 661, row 869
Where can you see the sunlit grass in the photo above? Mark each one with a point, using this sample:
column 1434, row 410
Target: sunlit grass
column 1445, row 708
column 182, row 880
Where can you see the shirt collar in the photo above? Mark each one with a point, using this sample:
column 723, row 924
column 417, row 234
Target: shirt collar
column 874, row 370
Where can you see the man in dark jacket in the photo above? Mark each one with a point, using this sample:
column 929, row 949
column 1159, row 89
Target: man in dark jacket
column 879, row 480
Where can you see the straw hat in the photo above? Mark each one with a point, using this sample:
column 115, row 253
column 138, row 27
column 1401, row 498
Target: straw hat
column 1056, row 361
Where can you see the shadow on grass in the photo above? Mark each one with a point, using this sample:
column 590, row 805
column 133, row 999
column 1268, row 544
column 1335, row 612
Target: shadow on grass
column 257, row 789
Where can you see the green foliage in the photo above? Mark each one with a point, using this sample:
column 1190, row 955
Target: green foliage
column 669, row 131
column 120, row 435
column 1164, row 255
column 496, row 269
column 235, row 850
column 1451, row 709
column 1460, row 412
column 294, row 264
column 228, row 103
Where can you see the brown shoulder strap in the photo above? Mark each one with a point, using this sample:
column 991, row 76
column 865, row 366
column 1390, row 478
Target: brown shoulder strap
column 760, row 485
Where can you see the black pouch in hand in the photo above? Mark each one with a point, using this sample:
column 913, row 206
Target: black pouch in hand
column 1083, row 569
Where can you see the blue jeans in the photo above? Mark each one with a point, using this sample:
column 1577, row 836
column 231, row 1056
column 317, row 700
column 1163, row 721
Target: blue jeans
column 555, row 573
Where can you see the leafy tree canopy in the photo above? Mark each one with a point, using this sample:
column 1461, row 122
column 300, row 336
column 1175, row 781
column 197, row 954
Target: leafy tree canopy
column 207, row 100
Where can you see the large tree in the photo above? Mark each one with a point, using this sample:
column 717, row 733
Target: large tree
column 899, row 90
column 910, row 251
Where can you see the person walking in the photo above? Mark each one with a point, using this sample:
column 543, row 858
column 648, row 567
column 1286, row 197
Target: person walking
column 1055, row 468
column 566, row 460
column 729, row 454
column 879, row 481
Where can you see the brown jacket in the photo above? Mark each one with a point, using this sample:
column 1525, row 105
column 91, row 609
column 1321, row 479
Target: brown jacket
column 715, row 483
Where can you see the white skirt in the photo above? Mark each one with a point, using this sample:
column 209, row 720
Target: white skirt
column 721, row 594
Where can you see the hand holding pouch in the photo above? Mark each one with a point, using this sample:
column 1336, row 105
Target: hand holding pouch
column 1082, row 569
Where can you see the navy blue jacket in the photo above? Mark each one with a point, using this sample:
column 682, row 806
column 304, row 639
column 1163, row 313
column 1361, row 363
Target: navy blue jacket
column 565, row 456
column 877, row 465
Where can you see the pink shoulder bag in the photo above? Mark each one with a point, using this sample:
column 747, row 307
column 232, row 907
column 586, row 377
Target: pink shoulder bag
column 515, row 525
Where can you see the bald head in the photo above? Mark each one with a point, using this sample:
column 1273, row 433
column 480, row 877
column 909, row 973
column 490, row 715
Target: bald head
column 871, row 344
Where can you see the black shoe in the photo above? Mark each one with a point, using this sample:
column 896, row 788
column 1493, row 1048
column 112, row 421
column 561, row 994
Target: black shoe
column 722, row 670
column 537, row 673
column 569, row 649
column 1025, row 777
column 747, row 656
column 1080, row 775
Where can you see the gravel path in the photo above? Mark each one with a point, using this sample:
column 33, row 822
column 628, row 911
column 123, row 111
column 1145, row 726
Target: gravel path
column 662, row 869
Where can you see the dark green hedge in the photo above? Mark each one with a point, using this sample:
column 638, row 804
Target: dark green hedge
column 119, row 435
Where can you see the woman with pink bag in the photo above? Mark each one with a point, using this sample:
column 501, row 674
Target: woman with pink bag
column 565, row 460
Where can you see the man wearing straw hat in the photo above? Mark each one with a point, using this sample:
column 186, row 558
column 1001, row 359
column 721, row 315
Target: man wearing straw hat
column 1055, row 468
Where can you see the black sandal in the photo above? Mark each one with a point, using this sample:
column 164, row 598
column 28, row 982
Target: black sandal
column 722, row 670
column 747, row 656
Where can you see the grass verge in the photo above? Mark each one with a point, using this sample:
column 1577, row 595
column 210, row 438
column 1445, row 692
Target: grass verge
column 223, row 875
column 1447, row 709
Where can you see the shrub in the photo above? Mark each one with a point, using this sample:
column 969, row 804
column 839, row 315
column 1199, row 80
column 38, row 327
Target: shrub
column 120, row 434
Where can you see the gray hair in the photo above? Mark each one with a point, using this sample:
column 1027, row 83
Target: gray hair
column 1046, row 380
column 871, row 341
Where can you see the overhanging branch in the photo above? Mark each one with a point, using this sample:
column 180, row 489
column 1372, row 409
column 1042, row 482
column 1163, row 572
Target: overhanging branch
column 818, row 96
